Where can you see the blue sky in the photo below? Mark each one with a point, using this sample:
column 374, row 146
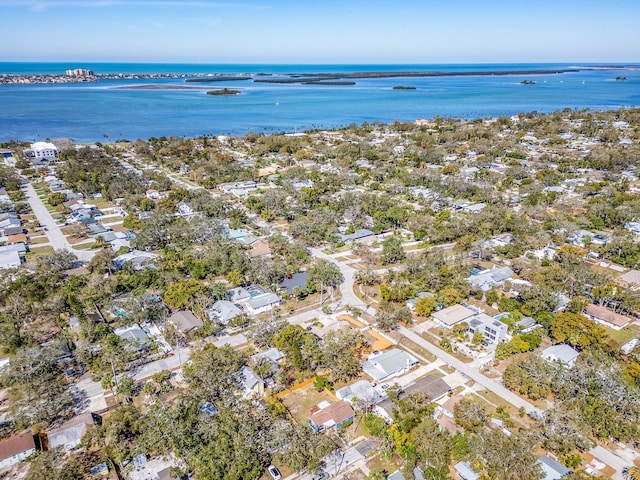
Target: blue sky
column 320, row 31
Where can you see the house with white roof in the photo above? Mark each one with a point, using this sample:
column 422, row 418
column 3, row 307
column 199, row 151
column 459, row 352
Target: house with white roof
column 488, row 279
column 450, row 316
column 262, row 303
column 44, row 150
column 563, row 353
column 392, row 363
column 223, row 311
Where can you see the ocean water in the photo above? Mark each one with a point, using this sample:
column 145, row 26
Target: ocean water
column 102, row 111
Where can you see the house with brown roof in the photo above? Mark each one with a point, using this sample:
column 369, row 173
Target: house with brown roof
column 20, row 238
column 607, row 317
column 16, row 448
column 325, row 416
column 259, row 249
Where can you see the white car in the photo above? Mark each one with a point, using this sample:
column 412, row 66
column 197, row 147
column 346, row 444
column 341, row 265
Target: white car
column 274, row 472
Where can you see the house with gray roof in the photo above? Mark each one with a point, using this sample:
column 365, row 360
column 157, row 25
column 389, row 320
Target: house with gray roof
column 488, row 279
column 551, row 469
column 239, row 294
column 433, row 386
column 465, row 472
column 356, row 236
column 252, row 385
column 361, row 390
column 272, row 355
column 389, row 364
column 290, row 282
column 563, row 353
column 69, row 435
column 9, row 260
column 134, row 337
column 185, row 321
column 223, row 311
column 262, row 303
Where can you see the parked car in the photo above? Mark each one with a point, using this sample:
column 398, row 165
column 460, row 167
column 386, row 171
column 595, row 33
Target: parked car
column 320, row 475
column 274, row 472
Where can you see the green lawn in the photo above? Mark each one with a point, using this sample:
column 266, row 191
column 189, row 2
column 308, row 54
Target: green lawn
column 623, row 335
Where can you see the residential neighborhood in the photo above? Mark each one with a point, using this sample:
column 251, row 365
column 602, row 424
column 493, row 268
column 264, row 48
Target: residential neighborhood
column 381, row 301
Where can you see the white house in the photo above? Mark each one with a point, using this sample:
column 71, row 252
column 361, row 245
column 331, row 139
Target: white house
column 262, row 303
column 389, row 364
column 44, row 150
column 16, row 448
column 562, row 353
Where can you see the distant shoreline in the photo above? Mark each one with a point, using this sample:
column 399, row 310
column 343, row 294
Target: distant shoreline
column 292, row 77
column 158, row 86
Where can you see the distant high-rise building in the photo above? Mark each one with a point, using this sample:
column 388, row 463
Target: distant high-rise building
column 79, row 72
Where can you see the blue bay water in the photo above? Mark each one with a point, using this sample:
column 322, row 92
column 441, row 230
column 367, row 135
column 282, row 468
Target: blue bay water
column 103, row 112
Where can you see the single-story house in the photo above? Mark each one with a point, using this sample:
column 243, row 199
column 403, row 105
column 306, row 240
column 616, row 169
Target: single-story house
column 630, row 280
column 272, row 355
column 562, row 353
column 356, row 236
column 262, row 303
column 465, row 472
column 259, row 248
column 239, row 294
column 552, row 470
column 70, row 434
column 135, row 338
column 137, row 258
column 361, row 390
column 487, row 279
column 526, row 325
column 185, row 321
column 16, row 448
column 389, row 364
column 290, row 282
column 433, row 386
column 448, row 317
column 9, row 260
column 252, row 385
column 607, row 317
column 326, row 416
column 223, row 311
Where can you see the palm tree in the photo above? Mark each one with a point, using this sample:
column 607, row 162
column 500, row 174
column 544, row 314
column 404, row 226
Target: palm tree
column 631, row 473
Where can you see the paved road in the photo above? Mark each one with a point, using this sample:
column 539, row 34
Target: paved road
column 56, row 238
column 488, row 383
column 346, row 288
